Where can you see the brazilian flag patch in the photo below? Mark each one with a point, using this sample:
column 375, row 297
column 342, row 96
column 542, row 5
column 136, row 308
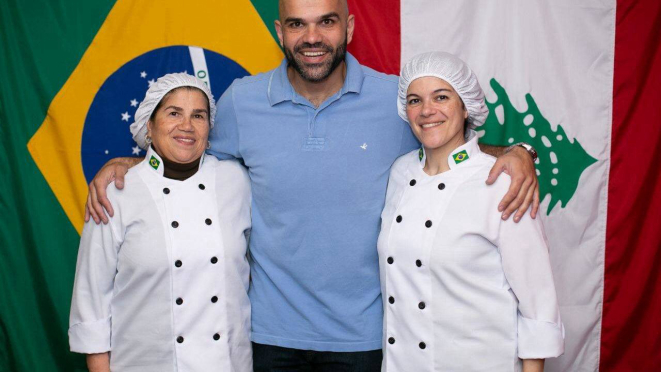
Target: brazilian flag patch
column 460, row 156
column 421, row 154
column 154, row 162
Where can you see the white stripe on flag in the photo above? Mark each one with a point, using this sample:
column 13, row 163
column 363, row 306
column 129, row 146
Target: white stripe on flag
column 199, row 64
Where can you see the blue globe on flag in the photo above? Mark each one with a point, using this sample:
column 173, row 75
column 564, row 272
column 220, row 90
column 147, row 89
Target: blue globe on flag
column 106, row 132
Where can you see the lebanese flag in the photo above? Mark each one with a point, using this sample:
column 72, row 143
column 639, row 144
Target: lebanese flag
column 580, row 81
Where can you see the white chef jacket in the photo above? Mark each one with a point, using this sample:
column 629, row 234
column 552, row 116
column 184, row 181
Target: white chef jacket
column 163, row 286
column 463, row 290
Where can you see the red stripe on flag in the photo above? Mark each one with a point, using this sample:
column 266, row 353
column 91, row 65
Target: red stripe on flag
column 376, row 39
column 631, row 324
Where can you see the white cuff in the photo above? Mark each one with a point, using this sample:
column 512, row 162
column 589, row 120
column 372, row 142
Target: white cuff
column 538, row 339
column 90, row 337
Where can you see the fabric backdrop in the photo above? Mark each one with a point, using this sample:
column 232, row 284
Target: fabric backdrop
column 576, row 79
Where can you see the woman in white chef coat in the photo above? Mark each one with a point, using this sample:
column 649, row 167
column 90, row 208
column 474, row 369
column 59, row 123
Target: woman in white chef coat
column 463, row 289
column 163, row 286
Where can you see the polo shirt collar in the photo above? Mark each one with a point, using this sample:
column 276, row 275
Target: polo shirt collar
column 280, row 89
column 460, row 155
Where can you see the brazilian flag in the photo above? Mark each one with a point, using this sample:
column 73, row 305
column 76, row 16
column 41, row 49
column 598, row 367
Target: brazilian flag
column 72, row 74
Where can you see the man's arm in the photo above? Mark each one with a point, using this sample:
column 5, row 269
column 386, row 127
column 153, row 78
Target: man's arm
column 524, row 189
column 98, row 362
column 97, row 199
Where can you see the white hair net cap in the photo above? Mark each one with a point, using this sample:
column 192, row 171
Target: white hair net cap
column 155, row 94
column 455, row 72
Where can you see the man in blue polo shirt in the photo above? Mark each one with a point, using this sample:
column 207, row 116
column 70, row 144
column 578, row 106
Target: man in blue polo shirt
column 318, row 135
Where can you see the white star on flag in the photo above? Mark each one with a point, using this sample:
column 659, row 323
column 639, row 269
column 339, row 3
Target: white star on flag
column 143, row 74
column 134, row 102
column 151, row 82
column 136, row 150
column 126, row 116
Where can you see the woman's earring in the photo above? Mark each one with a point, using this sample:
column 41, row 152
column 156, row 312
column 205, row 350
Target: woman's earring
column 148, row 139
column 208, row 145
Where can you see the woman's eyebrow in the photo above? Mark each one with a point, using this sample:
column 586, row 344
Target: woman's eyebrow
column 442, row 89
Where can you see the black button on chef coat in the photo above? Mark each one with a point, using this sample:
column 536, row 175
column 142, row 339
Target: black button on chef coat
column 391, row 340
column 175, row 224
column 166, row 191
column 178, row 263
column 214, row 259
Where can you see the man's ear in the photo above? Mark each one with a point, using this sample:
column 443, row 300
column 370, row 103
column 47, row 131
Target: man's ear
column 278, row 30
column 350, row 27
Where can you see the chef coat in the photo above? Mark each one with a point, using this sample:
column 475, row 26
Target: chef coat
column 463, row 290
column 163, row 286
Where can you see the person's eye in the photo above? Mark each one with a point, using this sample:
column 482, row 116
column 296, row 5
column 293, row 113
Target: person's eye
column 296, row 24
column 442, row 97
column 173, row 113
column 413, row 101
column 199, row 116
column 328, row 22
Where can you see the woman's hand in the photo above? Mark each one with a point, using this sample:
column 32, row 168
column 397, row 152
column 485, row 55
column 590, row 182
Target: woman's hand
column 98, row 362
column 533, row 365
column 97, row 199
column 524, row 189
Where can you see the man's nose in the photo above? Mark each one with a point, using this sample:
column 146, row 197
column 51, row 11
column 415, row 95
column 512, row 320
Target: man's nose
column 312, row 35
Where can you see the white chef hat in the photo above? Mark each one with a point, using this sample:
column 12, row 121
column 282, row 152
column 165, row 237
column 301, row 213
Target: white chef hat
column 455, row 72
column 155, row 94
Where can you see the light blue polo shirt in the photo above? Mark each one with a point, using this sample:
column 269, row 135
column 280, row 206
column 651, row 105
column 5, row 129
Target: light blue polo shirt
column 319, row 178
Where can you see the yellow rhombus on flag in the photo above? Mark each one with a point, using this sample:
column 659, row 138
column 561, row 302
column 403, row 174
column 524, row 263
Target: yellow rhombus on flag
column 232, row 29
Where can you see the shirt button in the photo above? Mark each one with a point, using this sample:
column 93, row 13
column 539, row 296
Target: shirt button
column 398, row 219
column 208, row 221
column 178, row 263
column 390, row 260
column 391, row 340
column 421, row 305
column 422, row 345
column 428, row 223
column 441, row 186
column 201, row 186
column 214, row 299
column 175, row 224
column 391, row 299
column 179, row 301
column 418, row 263
column 216, row 337
column 412, row 183
column 166, row 191
column 214, row 259
column 180, row 339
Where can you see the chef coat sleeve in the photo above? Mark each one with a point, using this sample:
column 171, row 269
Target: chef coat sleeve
column 90, row 318
column 527, row 267
column 224, row 136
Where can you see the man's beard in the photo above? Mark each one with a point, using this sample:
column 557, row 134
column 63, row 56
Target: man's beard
column 317, row 72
